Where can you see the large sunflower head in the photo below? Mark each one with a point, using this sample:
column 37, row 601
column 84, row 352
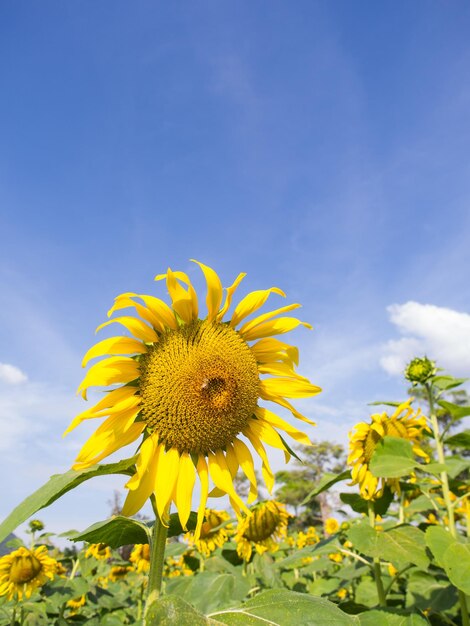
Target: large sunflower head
column 405, row 423
column 22, row 571
column 213, row 535
column 190, row 387
column 140, row 557
column 262, row 529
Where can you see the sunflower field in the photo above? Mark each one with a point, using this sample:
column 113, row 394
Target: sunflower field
column 378, row 537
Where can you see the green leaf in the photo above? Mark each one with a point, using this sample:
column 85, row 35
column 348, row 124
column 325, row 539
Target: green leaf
column 115, row 532
column 393, row 457
column 323, row 586
column 402, row 545
column 457, row 411
column 173, row 611
column 279, row 607
column 461, row 440
column 432, row 468
column 456, row 464
column 364, row 539
column 57, row 486
column 329, row 479
column 438, row 540
column 444, row 383
column 323, row 547
column 456, row 561
column 383, row 403
column 387, row 618
column 359, row 505
column 424, row 591
column 211, row 591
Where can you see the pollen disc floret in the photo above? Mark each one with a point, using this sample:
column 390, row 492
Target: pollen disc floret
column 405, row 423
column 22, row 571
column 199, row 386
column 190, row 388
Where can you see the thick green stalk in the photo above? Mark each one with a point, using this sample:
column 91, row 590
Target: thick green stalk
column 446, row 491
column 377, row 573
column 157, row 558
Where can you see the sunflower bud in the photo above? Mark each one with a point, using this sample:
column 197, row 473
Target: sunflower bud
column 419, row 370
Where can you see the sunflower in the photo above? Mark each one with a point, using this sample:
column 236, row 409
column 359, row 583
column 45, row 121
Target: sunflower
column 309, row 538
column 212, row 535
column 22, row 571
column 190, row 388
column 99, row 551
column 405, row 423
column 331, row 526
column 263, row 528
column 140, row 556
column 118, row 572
column 75, row 604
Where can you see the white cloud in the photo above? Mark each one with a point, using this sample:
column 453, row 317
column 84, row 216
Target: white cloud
column 11, row 375
column 440, row 333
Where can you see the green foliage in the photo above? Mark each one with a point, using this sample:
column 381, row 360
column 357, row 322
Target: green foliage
column 56, row 487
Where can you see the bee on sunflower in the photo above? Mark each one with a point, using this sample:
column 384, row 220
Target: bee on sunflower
column 262, row 529
column 23, row 571
column 190, row 387
column 406, row 423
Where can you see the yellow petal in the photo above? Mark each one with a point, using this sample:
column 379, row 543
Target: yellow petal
column 286, row 404
column 111, row 445
column 279, row 369
column 143, row 486
column 125, row 301
column 251, row 303
column 184, row 488
column 165, row 480
column 222, row 478
column 108, row 372
column 203, row 474
column 270, row 349
column 232, row 461
column 267, row 434
column 266, row 316
column 120, row 407
column 290, row 387
column 273, row 327
column 228, row 299
column 184, row 301
column 277, row 422
column 161, row 310
column 214, row 290
column 245, row 461
column 135, row 326
column 265, row 468
column 147, row 453
column 114, row 345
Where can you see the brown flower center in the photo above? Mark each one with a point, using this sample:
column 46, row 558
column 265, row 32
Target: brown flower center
column 199, row 386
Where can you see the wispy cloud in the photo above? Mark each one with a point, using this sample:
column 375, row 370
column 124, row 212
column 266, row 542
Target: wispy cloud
column 440, row 333
column 11, row 375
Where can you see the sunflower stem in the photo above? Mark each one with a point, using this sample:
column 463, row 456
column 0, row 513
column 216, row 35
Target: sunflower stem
column 157, row 558
column 377, row 573
column 446, row 492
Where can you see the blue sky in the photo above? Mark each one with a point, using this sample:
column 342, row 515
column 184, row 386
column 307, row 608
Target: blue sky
column 322, row 147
